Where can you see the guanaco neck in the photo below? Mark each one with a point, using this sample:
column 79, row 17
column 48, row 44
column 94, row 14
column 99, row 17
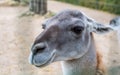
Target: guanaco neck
column 86, row 65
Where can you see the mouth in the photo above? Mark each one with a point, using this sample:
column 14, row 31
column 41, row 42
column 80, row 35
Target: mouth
column 50, row 60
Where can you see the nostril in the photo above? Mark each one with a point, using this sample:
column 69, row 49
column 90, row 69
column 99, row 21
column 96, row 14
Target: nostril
column 38, row 48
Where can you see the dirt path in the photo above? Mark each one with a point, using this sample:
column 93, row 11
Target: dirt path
column 18, row 33
column 16, row 36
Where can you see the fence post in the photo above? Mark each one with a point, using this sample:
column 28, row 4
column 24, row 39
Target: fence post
column 97, row 4
column 38, row 6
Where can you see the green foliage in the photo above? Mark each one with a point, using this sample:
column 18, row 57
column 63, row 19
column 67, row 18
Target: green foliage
column 29, row 13
column 25, row 1
column 112, row 6
column 49, row 14
column 11, row 3
column 22, row 2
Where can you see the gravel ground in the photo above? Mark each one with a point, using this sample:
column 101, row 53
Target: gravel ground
column 18, row 33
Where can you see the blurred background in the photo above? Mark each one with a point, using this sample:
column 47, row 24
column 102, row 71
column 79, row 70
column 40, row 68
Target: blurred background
column 20, row 23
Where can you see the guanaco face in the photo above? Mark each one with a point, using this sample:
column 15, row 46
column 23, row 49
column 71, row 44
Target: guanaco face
column 66, row 36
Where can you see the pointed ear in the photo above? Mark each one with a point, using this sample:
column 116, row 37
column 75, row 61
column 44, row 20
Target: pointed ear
column 115, row 23
column 100, row 28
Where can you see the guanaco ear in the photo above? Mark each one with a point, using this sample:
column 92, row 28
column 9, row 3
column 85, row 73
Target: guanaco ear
column 115, row 23
column 101, row 28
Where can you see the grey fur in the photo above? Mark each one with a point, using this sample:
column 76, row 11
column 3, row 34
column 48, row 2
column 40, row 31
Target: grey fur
column 63, row 44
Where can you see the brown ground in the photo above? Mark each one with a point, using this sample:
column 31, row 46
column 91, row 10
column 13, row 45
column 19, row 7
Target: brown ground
column 18, row 33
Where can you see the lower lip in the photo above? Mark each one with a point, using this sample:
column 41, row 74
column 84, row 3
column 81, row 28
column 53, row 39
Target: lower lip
column 48, row 62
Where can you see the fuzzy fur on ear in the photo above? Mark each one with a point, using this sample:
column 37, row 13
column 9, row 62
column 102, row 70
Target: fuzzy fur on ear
column 101, row 28
column 97, row 27
column 115, row 23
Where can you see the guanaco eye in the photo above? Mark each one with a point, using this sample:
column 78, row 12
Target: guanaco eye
column 43, row 26
column 77, row 29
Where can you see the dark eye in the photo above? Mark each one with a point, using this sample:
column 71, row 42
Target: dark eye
column 77, row 29
column 43, row 26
